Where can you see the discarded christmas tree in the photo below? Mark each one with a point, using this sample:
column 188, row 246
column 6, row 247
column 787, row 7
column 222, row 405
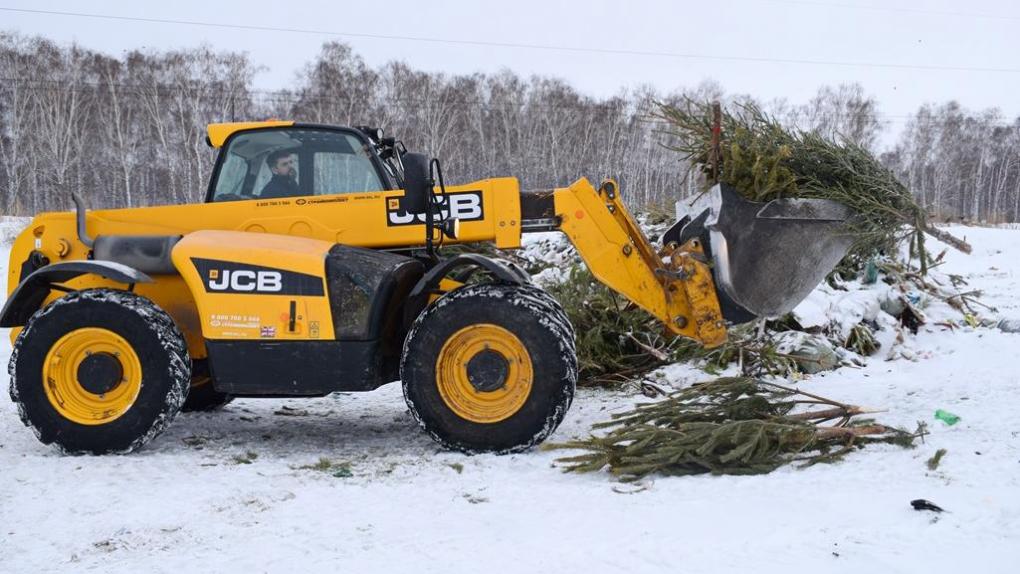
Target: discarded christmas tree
column 616, row 340
column 764, row 160
column 732, row 425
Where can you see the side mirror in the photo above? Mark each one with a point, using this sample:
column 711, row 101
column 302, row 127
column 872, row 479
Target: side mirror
column 417, row 183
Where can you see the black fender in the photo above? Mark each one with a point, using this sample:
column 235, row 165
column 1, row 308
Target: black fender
column 34, row 289
column 471, row 262
column 468, row 264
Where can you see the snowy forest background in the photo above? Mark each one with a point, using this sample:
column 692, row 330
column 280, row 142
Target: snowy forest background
column 131, row 131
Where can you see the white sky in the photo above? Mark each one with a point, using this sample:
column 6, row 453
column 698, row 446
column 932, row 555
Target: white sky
column 927, row 33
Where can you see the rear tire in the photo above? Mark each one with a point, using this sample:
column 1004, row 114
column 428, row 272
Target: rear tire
column 99, row 371
column 490, row 368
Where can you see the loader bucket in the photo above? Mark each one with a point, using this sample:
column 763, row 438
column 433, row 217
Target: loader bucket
column 767, row 257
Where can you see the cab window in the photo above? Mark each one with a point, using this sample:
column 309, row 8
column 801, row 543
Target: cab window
column 343, row 173
column 279, row 163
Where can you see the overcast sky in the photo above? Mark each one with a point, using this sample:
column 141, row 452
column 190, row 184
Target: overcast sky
column 914, row 51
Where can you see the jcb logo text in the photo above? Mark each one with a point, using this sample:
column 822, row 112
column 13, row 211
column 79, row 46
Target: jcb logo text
column 245, row 280
column 465, row 206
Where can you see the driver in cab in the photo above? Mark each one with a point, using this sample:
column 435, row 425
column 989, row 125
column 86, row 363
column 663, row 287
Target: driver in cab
column 284, row 181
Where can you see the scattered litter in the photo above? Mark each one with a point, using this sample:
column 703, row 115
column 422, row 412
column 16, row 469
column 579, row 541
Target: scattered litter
column 333, row 468
column 1009, row 325
column 870, row 273
column 323, row 465
column 651, row 390
column 947, row 417
column 630, row 489
column 933, row 462
column 286, row 411
column 194, row 441
column 922, row 504
column 246, row 458
column 812, row 353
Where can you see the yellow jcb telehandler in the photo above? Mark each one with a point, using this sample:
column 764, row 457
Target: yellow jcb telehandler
column 315, row 266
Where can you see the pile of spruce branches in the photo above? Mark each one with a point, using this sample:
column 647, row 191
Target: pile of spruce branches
column 764, row 160
column 616, row 340
column 732, row 425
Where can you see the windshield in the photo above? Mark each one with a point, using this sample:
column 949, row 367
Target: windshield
column 293, row 162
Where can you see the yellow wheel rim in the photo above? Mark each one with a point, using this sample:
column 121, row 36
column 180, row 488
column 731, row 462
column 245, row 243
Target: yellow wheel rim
column 463, row 397
column 89, row 402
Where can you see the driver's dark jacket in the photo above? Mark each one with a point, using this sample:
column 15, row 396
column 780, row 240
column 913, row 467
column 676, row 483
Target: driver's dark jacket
column 280, row 186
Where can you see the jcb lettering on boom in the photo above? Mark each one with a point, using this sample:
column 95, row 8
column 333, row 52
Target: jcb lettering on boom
column 465, row 206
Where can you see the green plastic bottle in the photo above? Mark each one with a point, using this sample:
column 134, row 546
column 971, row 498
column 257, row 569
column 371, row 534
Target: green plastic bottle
column 870, row 272
column 947, row 417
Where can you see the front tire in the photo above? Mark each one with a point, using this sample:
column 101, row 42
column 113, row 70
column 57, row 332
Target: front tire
column 99, row 371
column 490, row 368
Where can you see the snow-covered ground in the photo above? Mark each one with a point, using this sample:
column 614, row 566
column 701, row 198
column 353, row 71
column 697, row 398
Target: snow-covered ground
column 233, row 491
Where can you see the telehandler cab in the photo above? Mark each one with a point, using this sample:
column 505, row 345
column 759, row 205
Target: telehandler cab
column 314, row 266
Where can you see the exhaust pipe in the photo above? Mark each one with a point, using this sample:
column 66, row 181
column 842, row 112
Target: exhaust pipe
column 79, row 208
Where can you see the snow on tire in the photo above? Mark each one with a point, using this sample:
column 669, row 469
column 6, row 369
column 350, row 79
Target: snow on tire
column 99, row 371
column 490, row 368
